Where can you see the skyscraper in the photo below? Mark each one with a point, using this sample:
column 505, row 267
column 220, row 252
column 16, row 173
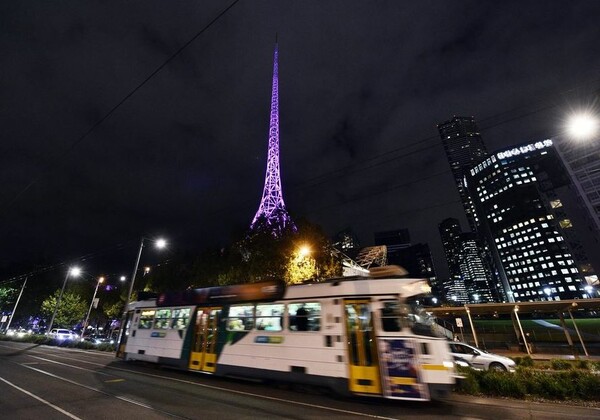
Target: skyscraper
column 468, row 272
column 515, row 191
column 271, row 211
column 464, row 148
column 582, row 160
column 450, row 232
column 473, row 270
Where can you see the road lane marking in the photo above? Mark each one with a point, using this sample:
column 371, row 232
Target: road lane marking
column 337, row 410
column 91, row 388
column 249, row 394
column 66, row 364
column 114, row 380
column 66, row 413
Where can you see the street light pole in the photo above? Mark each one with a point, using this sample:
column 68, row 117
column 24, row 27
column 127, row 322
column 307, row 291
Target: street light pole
column 135, row 268
column 75, row 272
column 87, row 317
column 16, row 304
column 160, row 243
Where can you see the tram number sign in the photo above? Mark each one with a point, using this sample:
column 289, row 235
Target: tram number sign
column 459, row 323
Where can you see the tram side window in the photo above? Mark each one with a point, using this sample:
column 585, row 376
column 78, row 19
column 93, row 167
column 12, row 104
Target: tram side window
column 269, row 317
column 146, row 318
column 391, row 316
column 305, row 316
column 241, row 318
column 181, row 318
column 161, row 321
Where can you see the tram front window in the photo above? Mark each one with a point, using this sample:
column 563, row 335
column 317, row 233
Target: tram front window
column 396, row 316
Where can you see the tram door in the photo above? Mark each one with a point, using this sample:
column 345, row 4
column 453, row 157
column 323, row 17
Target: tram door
column 362, row 348
column 124, row 333
column 203, row 356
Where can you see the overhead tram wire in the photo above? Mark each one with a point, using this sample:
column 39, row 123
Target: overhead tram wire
column 344, row 170
column 60, row 155
column 85, row 257
column 546, row 104
column 352, row 169
column 382, row 191
column 393, row 213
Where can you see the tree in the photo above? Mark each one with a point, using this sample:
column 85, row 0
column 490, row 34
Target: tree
column 7, row 296
column 72, row 309
column 301, row 266
column 115, row 310
column 310, row 256
column 269, row 256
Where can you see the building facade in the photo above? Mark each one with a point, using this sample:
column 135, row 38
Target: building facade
column 515, row 193
column 582, row 160
column 416, row 259
column 469, row 278
column 450, row 232
column 464, row 149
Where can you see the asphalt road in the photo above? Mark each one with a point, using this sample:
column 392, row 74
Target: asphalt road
column 40, row 382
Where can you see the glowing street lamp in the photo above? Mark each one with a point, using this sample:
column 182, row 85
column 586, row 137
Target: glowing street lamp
column 73, row 271
column 304, row 251
column 159, row 243
column 582, row 126
column 87, row 317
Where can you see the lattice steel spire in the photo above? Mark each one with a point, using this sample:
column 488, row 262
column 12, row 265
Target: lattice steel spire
column 272, row 208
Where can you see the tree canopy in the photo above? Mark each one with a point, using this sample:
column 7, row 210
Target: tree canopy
column 257, row 256
column 72, row 309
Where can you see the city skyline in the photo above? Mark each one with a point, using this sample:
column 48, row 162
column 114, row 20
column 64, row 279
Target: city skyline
column 184, row 155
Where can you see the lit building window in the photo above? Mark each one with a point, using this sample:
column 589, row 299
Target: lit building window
column 555, row 204
column 565, row 224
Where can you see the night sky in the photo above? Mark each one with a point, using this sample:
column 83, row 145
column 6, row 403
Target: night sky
column 362, row 84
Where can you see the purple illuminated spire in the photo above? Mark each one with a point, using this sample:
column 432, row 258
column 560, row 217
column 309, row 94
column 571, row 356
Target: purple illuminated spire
column 272, row 208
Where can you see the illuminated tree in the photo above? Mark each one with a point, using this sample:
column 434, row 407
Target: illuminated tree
column 301, row 266
column 72, row 309
column 7, row 296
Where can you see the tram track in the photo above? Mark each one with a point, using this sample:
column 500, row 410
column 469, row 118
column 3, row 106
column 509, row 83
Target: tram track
column 73, row 364
column 180, row 394
column 34, row 367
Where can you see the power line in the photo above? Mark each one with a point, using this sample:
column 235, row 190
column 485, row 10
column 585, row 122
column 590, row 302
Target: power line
column 541, row 105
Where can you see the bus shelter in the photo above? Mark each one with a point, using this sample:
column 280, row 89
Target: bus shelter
column 514, row 309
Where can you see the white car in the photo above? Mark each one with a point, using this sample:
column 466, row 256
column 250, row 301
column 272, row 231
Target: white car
column 19, row 332
column 62, row 334
column 479, row 359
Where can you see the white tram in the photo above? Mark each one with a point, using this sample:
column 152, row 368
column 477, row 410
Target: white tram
column 355, row 335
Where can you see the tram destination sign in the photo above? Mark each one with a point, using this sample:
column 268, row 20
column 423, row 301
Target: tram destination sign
column 208, row 296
